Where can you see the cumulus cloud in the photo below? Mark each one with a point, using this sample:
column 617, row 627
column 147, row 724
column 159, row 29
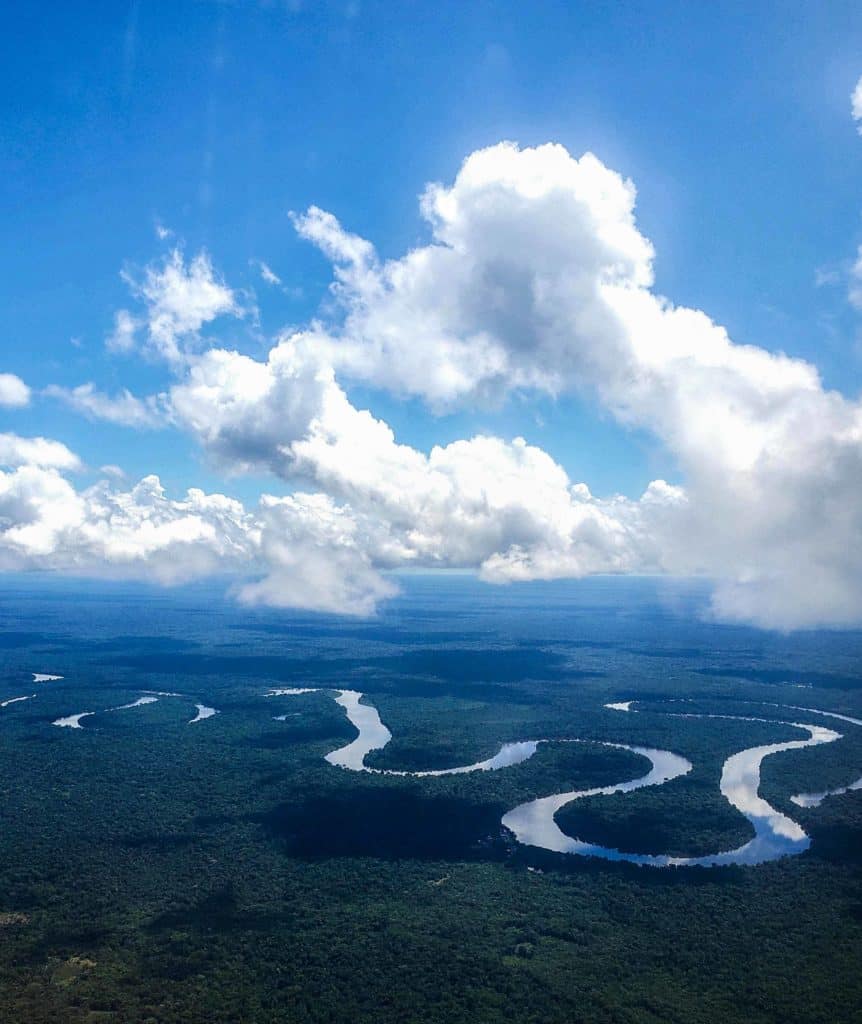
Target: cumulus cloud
column 312, row 550
column 36, row 505
column 247, row 412
column 504, row 507
column 45, row 523
column 36, row 451
column 180, row 298
column 856, row 105
column 14, row 393
column 522, row 245
column 537, row 278
column 302, row 551
column 317, row 557
column 123, row 409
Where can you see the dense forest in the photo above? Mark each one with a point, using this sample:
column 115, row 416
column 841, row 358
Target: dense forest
column 157, row 871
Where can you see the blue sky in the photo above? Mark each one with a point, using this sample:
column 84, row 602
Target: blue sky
column 215, row 120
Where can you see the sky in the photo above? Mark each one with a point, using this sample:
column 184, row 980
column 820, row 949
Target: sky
column 307, row 292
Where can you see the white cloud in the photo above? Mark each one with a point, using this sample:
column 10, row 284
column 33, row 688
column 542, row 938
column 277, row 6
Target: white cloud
column 36, row 451
column 37, row 504
column 856, row 105
column 317, row 558
column 154, row 536
column 46, row 524
column 310, row 550
column 14, row 393
column 506, row 508
column 344, row 249
column 246, row 412
column 304, row 550
column 180, row 299
column 481, row 502
column 267, row 273
column 509, row 292
column 122, row 337
column 123, row 409
column 537, row 278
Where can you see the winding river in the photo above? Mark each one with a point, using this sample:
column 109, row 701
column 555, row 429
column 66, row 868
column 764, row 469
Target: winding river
column 533, row 823
column 816, row 799
column 373, row 735
column 74, row 721
column 775, row 835
column 202, row 712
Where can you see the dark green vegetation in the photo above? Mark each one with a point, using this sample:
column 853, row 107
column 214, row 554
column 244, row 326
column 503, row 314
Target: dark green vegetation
column 223, row 872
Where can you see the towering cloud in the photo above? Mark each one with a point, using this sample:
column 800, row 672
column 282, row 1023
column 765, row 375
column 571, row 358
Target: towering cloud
column 535, row 280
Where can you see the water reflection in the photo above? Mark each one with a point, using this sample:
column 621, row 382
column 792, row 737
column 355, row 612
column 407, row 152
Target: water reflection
column 775, row 835
column 534, row 823
column 816, row 799
column 621, row 705
column 373, row 735
column 16, row 700
column 74, row 721
column 203, row 712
